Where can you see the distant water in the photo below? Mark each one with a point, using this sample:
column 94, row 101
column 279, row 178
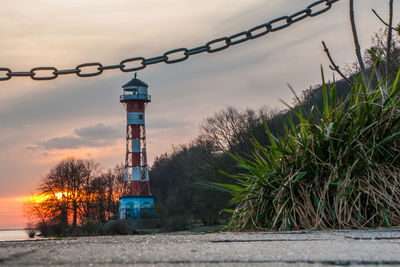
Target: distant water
column 12, row 235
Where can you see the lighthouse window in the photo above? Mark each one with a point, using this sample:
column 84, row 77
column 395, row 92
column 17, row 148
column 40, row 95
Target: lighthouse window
column 140, row 116
column 132, row 106
column 140, row 105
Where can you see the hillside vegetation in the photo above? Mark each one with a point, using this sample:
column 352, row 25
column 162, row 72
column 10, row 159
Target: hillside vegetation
column 330, row 160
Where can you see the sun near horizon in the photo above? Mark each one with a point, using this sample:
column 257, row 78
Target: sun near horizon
column 11, row 210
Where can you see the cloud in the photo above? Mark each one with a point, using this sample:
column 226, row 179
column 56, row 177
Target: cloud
column 166, row 123
column 98, row 135
column 99, row 132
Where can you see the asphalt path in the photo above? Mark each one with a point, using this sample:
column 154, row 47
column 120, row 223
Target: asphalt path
column 319, row 248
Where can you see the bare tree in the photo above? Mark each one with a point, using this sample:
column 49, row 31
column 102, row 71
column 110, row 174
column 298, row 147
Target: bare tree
column 389, row 40
column 66, row 188
column 228, row 129
column 357, row 45
column 222, row 128
column 373, row 53
column 105, row 190
column 390, row 30
column 335, row 67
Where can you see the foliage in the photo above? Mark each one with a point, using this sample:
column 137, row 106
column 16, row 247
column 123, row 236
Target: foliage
column 117, row 227
column 31, row 230
column 338, row 168
column 178, row 222
column 376, row 58
column 91, row 227
column 74, row 193
column 181, row 181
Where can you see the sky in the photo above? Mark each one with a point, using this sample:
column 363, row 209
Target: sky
column 42, row 122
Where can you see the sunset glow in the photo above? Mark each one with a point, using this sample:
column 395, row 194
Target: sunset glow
column 40, row 197
column 37, row 198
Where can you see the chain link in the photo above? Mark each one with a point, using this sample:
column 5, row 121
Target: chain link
column 134, row 59
column 171, row 61
column 53, row 76
column 98, row 71
column 7, row 74
column 179, row 54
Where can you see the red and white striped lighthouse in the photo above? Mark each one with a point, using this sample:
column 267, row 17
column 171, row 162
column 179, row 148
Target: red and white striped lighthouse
column 136, row 189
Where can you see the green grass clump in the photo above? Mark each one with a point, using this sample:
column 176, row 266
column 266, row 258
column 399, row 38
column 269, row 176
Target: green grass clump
column 338, row 168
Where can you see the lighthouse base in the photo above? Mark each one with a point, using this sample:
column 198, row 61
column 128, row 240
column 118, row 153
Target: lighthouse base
column 136, row 207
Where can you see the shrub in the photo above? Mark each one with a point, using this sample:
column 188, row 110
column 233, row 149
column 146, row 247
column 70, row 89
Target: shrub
column 117, row 227
column 338, row 168
column 91, row 227
column 31, row 230
column 179, row 222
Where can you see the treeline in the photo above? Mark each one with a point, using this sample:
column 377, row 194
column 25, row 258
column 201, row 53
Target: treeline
column 75, row 193
column 184, row 182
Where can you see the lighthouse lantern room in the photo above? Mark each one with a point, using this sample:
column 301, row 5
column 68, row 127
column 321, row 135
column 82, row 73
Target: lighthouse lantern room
column 137, row 200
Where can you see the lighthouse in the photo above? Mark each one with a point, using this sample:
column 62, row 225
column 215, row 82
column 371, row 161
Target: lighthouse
column 136, row 201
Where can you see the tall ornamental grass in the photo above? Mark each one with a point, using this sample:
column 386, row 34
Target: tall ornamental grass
column 338, row 168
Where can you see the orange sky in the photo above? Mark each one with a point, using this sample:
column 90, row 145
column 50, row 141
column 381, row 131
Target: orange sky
column 11, row 216
column 43, row 122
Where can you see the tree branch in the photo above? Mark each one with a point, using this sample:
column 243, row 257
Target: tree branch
column 334, row 66
column 384, row 22
column 357, row 45
column 389, row 39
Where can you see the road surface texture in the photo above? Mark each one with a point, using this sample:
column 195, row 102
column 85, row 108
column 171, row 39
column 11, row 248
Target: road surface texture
column 321, row 248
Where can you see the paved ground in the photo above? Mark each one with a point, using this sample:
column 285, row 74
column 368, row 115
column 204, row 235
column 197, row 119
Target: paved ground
column 378, row 247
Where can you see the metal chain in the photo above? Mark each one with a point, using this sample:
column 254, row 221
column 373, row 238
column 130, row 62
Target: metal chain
column 175, row 55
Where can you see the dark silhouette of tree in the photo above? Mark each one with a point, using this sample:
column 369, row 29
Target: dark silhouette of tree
column 74, row 191
column 103, row 194
column 66, row 185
